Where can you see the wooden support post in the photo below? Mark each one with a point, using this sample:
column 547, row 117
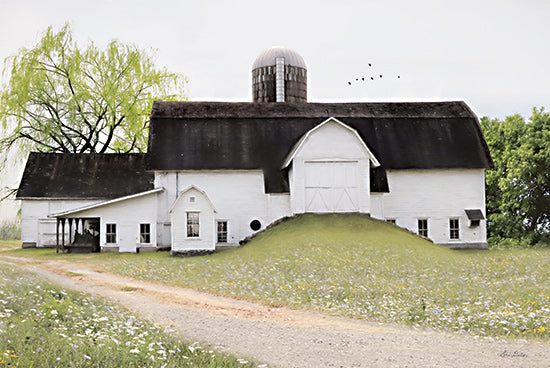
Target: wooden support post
column 57, row 235
column 63, row 234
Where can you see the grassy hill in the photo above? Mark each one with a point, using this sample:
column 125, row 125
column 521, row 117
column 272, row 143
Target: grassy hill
column 364, row 268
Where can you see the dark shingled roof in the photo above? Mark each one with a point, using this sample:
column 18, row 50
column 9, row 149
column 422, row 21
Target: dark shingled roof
column 218, row 135
column 66, row 175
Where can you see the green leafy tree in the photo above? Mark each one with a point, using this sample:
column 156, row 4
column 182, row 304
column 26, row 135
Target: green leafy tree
column 518, row 190
column 60, row 98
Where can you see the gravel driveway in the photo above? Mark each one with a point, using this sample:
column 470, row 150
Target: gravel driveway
column 282, row 337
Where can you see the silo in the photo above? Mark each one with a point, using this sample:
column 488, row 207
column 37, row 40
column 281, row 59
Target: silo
column 279, row 74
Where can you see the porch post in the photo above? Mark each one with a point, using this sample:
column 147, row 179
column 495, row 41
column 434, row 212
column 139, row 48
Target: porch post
column 57, row 235
column 70, row 231
column 63, row 234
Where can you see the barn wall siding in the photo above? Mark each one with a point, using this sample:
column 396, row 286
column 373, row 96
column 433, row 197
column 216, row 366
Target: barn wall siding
column 36, row 227
column 238, row 196
column 181, row 242
column 436, row 195
column 127, row 215
column 279, row 206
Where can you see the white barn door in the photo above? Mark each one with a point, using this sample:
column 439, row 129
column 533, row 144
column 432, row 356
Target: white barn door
column 331, row 186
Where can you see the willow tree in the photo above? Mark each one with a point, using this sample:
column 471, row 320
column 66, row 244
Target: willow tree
column 60, row 98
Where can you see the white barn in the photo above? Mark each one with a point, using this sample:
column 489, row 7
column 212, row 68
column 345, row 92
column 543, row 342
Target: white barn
column 216, row 173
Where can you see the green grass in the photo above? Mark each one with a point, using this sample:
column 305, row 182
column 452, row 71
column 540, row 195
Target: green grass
column 367, row 269
column 44, row 326
column 10, row 243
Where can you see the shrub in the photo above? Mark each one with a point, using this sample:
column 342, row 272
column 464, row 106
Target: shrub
column 9, row 231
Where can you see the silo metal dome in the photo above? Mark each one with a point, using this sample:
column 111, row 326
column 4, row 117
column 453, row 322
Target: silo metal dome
column 279, row 74
column 268, row 57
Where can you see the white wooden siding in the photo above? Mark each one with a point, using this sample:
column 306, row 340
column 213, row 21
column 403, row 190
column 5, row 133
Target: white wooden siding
column 127, row 215
column 237, row 195
column 330, row 172
column 436, row 195
column 201, row 205
column 36, row 226
column 278, row 206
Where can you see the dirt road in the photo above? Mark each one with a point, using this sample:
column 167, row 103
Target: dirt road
column 283, row 337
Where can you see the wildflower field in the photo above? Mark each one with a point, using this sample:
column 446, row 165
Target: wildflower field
column 367, row 269
column 43, row 326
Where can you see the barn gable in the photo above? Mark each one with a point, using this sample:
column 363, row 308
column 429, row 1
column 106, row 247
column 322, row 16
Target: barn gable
column 334, row 142
column 329, row 173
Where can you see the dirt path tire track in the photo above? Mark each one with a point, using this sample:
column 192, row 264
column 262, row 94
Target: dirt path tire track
column 283, row 337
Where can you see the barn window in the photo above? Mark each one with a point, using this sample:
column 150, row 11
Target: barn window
column 222, row 231
column 110, row 233
column 454, row 229
column 144, row 233
column 474, row 223
column 391, row 220
column 423, row 227
column 192, row 224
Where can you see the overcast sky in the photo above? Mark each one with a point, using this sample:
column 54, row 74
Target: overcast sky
column 493, row 54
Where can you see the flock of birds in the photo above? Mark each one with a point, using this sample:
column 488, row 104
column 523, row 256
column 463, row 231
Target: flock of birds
column 363, row 79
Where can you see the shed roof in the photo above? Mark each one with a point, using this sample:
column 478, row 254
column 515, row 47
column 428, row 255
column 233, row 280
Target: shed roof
column 475, row 214
column 218, row 135
column 105, row 203
column 79, row 176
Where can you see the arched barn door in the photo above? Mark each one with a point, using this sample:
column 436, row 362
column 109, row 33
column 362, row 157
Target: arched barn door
column 331, row 186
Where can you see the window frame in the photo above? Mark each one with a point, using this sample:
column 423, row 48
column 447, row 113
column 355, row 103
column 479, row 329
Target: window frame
column 111, row 233
column 224, row 232
column 147, row 240
column 421, row 231
column 454, row 232
column 189, row 231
